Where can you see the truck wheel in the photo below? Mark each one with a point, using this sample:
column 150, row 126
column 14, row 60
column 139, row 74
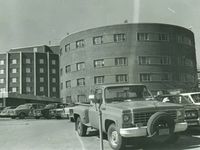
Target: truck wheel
column 81, row 128
column 22, row 115
column 114, row 138
column 160, row 127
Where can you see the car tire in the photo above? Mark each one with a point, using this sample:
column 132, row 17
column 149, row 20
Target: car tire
column 116, row 141
column 22, row 115
column 161, row 121
column 80, row 127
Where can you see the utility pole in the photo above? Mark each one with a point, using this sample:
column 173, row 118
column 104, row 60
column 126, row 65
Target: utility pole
column 100, row 128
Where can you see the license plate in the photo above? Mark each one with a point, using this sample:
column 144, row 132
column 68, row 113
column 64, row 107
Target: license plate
column 163, row 131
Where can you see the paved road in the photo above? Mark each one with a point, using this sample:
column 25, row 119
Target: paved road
column 33, row 134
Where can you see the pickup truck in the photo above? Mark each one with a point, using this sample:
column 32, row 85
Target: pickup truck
column 129, row 111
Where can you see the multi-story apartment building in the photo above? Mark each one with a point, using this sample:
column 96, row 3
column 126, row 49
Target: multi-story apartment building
column 30, row 74
column 161, row 56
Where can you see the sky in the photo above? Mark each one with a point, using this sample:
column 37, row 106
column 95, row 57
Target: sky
column 36, row 22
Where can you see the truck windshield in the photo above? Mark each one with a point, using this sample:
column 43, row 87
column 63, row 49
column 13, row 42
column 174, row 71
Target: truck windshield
column 126, row 93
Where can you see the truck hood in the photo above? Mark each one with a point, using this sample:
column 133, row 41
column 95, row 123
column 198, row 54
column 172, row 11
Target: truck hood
column 144, row 105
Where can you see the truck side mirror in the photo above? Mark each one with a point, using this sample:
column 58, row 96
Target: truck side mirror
column 94, row 99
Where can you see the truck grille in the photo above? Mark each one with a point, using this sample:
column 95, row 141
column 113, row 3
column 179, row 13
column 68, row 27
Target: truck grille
column 191, row 114
column 143, row 117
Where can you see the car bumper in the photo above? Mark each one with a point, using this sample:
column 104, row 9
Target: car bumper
column 193, row 122
column 142, row 131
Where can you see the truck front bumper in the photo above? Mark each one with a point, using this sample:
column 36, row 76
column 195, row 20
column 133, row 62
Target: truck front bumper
column 142, row 131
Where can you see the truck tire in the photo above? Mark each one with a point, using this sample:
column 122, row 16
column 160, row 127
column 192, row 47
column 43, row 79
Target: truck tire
column 116, row 141
column 80, row 127
column 158, row 122
column 22, row 115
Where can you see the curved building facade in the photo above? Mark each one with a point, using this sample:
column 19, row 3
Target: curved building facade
column 161, row 56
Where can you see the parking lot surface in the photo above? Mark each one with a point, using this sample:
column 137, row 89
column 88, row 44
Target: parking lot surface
column 31, row 134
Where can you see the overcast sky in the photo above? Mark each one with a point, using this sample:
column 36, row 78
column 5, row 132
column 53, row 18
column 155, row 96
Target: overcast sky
column 36, row 22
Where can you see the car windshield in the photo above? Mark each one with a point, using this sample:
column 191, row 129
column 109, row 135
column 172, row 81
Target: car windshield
column 127, row 93
column 196, row 97
column 49, row 106
column 23, row 107
column 178, row 99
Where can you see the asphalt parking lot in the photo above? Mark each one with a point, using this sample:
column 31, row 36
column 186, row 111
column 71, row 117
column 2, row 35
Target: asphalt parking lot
column 31, row 134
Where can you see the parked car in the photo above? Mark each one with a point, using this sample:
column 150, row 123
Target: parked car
column 192, row 112
column 57, row 111
column 37, row 113
column 6, row 111
column 25, row 110
column 194, row 97
column 48, row 111
column 68, row 112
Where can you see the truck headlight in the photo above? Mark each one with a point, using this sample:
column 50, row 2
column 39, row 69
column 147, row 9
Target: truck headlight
column 180, row 114
column 126, row 117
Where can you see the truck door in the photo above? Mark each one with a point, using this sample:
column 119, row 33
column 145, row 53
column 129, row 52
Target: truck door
column 94, row 109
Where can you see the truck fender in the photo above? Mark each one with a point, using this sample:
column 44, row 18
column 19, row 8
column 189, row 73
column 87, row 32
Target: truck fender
column 107, row 123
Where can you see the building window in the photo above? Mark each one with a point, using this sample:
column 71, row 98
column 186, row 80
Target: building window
column 14, row 61
column 14, row 80
column 41, row 89
column 41, row 70
column 80, row 44
column 184, row 40
column 121, row 78
column 97, row 40
column 28, row 89
column 81, row 82
column 98, row 63
column 144, row 77
column 119, row 37
column 53, row 62
column 28, row 60
column 163, row 37
column 99, row 80
column 67, row 48
column 156, row 60
column 81, row 98
column 53, row 80
column 182, row 60
column 68, row 99
column 61, row 71
column 28, row 79
column 2, row 62
column 53, row 89
column 143, row 36
column 67, row 68
column 1, row 81
column 14, row 89
column 53, row 71
column 14, row 70
column 80, row 66
column 68, row 84
column 41, row 79
column 2, row 90
column 41, row 61
column 28, row 70
column 1, row 71
column 121, row 61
